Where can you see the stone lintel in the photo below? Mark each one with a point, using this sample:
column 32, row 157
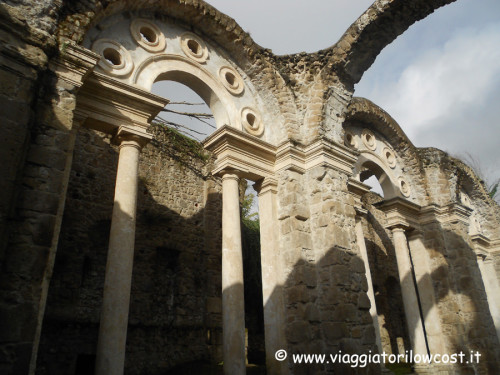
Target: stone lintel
column 236, row 150
column 322, row 152
column 108, row 104
column 452, row 213
column 400, row 213
column 74, row 64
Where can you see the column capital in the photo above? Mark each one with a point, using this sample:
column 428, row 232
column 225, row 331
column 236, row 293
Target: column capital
column 130, row 136
column 265, row 185
column 398, row 228
column 414, row 234
column 229, row 175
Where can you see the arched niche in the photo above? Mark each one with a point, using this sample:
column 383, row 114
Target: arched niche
column 369, row 164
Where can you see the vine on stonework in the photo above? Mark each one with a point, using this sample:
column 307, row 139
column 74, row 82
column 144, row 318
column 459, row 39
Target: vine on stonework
column 169, row 139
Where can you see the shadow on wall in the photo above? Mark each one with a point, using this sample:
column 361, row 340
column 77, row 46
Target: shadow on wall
column 175, row 310
column 460, row 295
column 175, row 313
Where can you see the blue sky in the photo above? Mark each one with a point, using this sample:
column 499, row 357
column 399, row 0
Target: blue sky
column 440, row 80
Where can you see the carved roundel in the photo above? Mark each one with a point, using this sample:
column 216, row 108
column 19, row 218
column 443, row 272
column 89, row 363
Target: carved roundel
column 251, row 121
column 194, row 47
column 147, row 35
column 390, row 157
column 350, row 140
column 231, row 80
column 369, row 139
column 115, row 59
column 404, row 187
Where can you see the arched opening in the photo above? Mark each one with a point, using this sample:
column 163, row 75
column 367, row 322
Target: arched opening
column 182, row 87
column 374, row 184
column 196, row 78
column 187, row 112
column 372, row 172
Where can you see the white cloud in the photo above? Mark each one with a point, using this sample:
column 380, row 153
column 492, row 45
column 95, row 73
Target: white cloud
column 458, row 75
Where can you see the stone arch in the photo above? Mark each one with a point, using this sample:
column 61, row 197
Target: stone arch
column 365, row 111
column 178, row 69
column 381, row 23
column 220, row 30
column 371, row 164
column 406, row 170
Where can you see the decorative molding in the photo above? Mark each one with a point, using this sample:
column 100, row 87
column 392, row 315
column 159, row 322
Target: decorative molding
column 251, row 121
column 115, row 59
column 390, row 157
column 351, row 140
column 231, row 80
column 369, row 139
column 485, row 247
column 74, row 64
column 322, row 152
column 107, row 104
column 400, row 213
column 258, row 159
column 404, row 187
column 194, row 47
column 240, row 151
column 147, row 35
column 452, row 213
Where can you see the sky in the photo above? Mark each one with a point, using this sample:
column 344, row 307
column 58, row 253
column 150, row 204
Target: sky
column 440, row 80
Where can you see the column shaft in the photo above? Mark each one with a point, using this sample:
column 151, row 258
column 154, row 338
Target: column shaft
column 410, row 300
column 360, row 238
column 272, row 280
column 430, row 311
column 492, row 289
column 116, row 296
column 233, row 307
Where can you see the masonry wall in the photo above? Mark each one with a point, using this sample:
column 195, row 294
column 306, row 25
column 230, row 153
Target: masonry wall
column 325, row 288
column 175, row 301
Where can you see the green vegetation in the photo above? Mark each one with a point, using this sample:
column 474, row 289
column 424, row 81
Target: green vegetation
column 177, row 141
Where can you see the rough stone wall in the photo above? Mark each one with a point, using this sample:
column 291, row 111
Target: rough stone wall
column 36, row 137
column 175, row 301
column 461, row 298
column 325, row 290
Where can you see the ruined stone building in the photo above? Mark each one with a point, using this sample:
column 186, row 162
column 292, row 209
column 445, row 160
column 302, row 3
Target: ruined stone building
column 121, row 251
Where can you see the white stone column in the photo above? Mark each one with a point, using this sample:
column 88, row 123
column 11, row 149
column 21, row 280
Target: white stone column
column 233, row 306
column 492, row 288
column 272, row 277
column 110, row 357
column 422, row 269
column 410, row 300
column 360, row 238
